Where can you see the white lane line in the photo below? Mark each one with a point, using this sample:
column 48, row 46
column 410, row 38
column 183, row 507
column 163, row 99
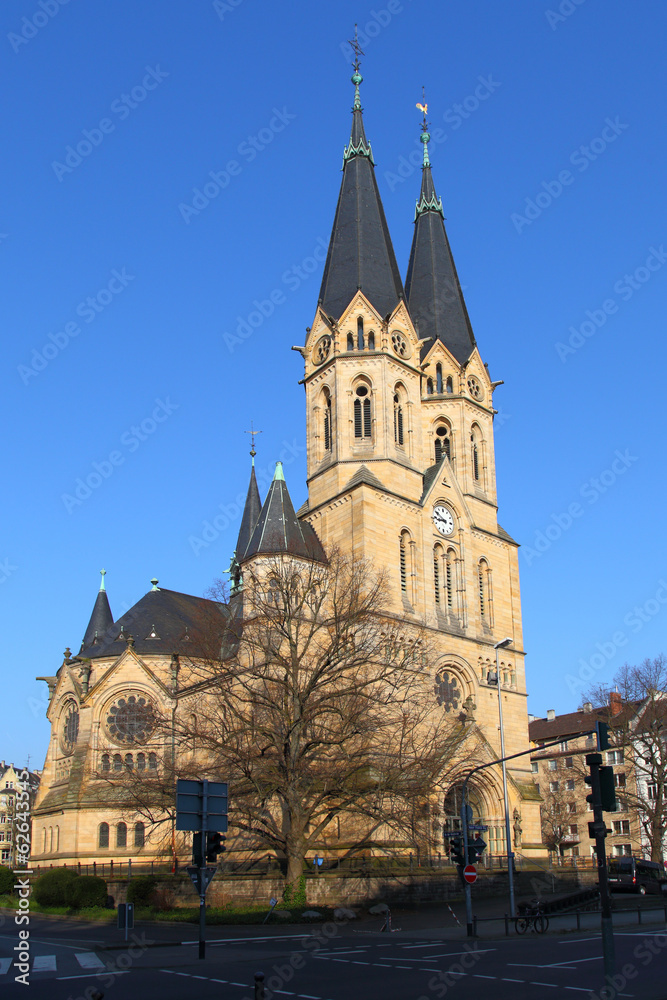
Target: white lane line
column 572, row 962
column 480, row 976
column 579, row 989
column 254, row 940
column 4, row 965
column 553, row 985
column 244, row 985
column 88, row 975
column 506, row 980
column 44, row 963
column 89, row 960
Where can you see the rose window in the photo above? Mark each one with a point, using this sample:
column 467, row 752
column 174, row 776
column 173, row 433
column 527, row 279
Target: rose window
column 322, row 350
column 474, row 387
column 447, row 691
column 70, row 730
column 130, row 719
column 400, row 344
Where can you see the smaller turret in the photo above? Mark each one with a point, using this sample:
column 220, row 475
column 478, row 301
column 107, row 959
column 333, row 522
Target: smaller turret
column 101, row 618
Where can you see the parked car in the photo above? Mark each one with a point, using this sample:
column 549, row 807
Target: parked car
column 637, row 875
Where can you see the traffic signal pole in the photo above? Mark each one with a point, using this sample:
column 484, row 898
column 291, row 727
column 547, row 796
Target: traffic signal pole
column 466, row 855
column 598, row 827
column 201, row 862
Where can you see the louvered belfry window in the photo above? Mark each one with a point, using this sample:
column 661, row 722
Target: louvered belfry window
column 403, row 566
column 436, row 575
column 327, row 425
column 398, row 420
column 362, row 413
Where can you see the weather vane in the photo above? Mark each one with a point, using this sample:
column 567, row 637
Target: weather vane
column 424, row 109
column 356, row 48
column 253, row 433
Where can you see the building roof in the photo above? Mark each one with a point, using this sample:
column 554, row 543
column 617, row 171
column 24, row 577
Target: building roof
column 432, row 288
column 360, row 255
column 251, row 512
column 101, row 618
column 165, row 621
column 573, row 724
column 279, row 531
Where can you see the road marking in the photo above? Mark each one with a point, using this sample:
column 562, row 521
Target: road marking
column 506, row 980
column 553, row 985
column 556, row 965
column 254, row 940
column 89, row 960
column 478, row 975
column 87, row 975
column 44, row 963
column 4, row 965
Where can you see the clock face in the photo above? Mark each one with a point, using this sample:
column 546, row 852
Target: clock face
column 443, row 520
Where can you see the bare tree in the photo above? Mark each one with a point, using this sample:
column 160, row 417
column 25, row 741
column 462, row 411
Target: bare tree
column 322, row 708
column 639, row 728
column 557, row 817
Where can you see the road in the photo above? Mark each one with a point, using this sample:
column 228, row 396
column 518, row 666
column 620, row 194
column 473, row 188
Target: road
column 327, row 962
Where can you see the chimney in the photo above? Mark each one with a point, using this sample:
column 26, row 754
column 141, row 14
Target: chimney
column 588, row 707
column 551, row 714
column 615, row 702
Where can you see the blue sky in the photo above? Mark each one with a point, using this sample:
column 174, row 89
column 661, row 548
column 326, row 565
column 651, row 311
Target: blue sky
column 126, row 293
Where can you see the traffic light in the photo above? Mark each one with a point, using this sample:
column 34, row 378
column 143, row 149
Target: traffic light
column 215, row 844
column 602, row 732
column 607, row 789
column 456, row 852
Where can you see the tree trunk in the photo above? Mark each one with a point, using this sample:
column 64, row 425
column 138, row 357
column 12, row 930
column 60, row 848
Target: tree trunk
column 294, row 868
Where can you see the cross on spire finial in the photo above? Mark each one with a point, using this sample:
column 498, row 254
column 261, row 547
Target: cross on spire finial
column 253, row 434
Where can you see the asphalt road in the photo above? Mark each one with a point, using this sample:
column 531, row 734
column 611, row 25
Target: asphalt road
column 69, row 961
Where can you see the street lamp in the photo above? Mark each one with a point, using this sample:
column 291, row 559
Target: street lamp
column 508, row 843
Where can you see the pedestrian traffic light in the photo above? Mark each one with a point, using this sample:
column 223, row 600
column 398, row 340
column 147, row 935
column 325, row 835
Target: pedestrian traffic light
column 215, row 844
column 456, row 852
column 602, row 732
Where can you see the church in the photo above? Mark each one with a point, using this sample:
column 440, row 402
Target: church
column 400, row 472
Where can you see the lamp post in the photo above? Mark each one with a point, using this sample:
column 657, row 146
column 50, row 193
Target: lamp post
column 510, row 854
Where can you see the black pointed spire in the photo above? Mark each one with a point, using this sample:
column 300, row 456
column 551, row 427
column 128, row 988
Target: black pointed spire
column 432, row 287
column 251, row 512
column 360, row 254
column 279, row 530
column 101, row 618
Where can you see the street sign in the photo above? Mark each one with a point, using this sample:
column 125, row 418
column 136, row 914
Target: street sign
column 190, row 805
column 477, row 827
column 470, row 874
column 201, row 877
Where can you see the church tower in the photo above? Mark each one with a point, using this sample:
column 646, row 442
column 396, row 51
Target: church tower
column 401, row 465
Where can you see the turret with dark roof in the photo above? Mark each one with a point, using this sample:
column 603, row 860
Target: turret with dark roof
column 432, row 287
column 360, row 253
column 279, row 531
column 101, row 618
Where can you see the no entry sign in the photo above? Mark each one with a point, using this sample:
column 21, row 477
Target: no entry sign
column 470, row 874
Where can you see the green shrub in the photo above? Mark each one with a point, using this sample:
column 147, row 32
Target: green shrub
column 141, row 889
column 294, row 893
column 86, row 890
column 51, row 888
column 6, row 880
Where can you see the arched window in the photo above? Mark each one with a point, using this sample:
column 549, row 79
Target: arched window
column 484, row 587
column 429, row 386
column 50, row 840
column 57, row 838
column 103, row 835
column 152, row 762
column 350, row 342
column 117, row 762
column 106, row 762
column 360, row 334
column 328, row 440
column 121, row 835
column 405, row 562
column 438, row 378
column 129, row 761
column 450, row 569
column 398, row 420
column 44, row 842
column 443, row 445
column 139, row 834
column 449, row 384
column 371, row 341
column 362, row 412
column 141, row 762
column 437, row 561
column 475, row 455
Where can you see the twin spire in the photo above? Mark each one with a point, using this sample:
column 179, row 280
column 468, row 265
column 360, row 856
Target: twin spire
column 361, row 255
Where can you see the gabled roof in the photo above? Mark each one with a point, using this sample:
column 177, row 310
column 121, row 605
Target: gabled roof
column 574, row 723
column 101, row 618
column 432, row 286
column 279, row 531
column 361, row 255
column 165, row 621
column 364, row 475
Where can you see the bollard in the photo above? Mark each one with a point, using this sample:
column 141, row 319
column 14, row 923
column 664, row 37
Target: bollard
column 507, row 925
column 259, row 986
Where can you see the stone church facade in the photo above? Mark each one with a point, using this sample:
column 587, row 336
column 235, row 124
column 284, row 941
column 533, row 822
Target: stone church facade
column 401, row 471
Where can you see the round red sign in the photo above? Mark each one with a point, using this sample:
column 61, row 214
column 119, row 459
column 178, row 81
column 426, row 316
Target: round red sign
column 470, row 873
